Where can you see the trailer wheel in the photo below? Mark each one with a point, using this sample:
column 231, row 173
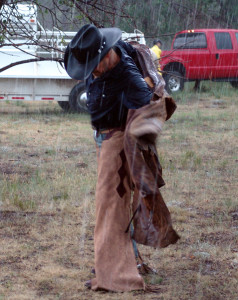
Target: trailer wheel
column 234, row 84
column 174, row 81
column 64, row 105
column 78, row 98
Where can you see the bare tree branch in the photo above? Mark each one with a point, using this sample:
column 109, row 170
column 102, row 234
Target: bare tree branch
column 16, row 32
column 60, row 60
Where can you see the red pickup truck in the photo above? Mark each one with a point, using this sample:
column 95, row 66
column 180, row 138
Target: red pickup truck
column 201, row 54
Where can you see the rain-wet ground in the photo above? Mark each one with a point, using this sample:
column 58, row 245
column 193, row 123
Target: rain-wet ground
column 47, row 181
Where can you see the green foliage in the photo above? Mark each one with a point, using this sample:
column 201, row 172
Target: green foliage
column 190, row 159
column 154, row 17
column 157, row 17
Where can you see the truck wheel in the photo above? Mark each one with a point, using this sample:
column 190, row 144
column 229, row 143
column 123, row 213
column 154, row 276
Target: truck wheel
column 234, row 84
column 64, row 105
column 78, row 98
column 174, row 81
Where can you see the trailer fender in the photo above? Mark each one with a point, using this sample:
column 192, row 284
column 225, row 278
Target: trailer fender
column 78, row 99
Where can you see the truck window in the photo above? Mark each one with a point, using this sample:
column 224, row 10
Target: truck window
column 223, row 40
column 190, row 41
column 237, row 36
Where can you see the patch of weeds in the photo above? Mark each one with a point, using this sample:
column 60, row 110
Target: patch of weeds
column 86, row 185
column 23, row 204
column 182, row 118
column 215, row 89
column 16, row 192
column 230, row 204
column 189, row 94
column 45, row 286
column 7, row 283
column 38, row 178
column 19, row 141
column 235, row 133
column 204, row 88
column 9, row 189
column 222, row 89
column 69, row 116
column 67, row 262
column 50, row 152
column 198, row 116
column 54, row 111
column 153, row 279
column 223, row 164
column 219, row 217
column 179, row 137
column 190, row 158
column 61, row 196
column 21, row 104
column 180, row 97
column 162, row 159
column 167, row 163
column 216, row 94
column 197, row 161
column 171, row 165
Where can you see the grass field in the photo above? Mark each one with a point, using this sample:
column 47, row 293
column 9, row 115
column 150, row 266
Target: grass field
column 47, row 182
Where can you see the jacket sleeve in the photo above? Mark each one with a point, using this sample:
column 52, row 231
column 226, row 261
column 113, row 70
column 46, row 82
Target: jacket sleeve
column 137, row 92
column 131, row 51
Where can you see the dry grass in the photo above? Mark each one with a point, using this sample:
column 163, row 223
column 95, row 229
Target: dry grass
column 47, row 180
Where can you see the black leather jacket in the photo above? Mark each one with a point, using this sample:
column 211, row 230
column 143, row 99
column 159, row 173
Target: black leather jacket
column 111, row 95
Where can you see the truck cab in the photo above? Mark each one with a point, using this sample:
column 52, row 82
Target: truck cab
column 201, row 54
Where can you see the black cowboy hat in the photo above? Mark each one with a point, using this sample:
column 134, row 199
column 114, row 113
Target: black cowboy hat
column 87, row 49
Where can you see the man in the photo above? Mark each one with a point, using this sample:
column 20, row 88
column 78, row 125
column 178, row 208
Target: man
column 156, row 53
column 116, row 89
column 114, row 85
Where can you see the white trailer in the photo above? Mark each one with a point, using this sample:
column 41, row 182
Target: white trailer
column 40, row 80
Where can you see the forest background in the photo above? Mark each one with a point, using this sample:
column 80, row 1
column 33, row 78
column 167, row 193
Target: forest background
column 156, row 18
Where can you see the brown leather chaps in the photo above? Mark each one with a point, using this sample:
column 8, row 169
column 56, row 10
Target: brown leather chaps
column 115, row 262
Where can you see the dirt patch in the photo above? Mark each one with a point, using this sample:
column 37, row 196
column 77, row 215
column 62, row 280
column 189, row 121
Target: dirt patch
column 45, row 288
column 18, row 216
column 13, row 167
column 217, row 238
column 7, row 168
column 234, row 215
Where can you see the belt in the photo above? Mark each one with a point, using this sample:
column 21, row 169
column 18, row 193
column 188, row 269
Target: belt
column 109, row 130
column 105, row 130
